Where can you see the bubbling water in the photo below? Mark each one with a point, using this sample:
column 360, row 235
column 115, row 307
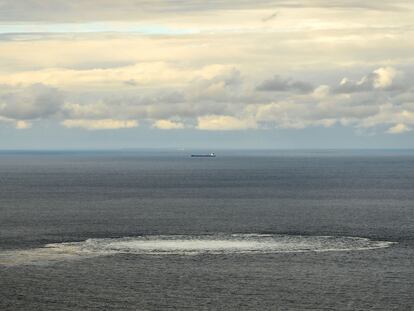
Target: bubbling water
column 220, row 244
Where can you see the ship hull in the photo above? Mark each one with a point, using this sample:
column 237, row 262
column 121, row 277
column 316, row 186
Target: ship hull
column 202, row 156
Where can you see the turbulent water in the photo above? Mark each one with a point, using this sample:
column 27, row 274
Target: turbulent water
column 322, row 230
column 187, row 245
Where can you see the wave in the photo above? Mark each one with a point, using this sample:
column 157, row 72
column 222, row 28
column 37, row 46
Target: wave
column 219, row 244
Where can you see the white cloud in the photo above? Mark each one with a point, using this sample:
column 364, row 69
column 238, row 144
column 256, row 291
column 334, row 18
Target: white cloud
column 384, row 77
column 380, row 79
column 293, row 115
column 103, row 124
column 224, row 123
column 388, row 114
column 23, row 125
column 321, row 91
column 168, row 125
column 399, row 129
column 144, row 74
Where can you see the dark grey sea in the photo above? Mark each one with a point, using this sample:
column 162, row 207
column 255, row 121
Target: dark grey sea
column 247, row 230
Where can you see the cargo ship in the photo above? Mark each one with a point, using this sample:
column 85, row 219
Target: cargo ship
column 207, row 155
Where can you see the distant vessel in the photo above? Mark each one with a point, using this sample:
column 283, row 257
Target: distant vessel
column 208, row 155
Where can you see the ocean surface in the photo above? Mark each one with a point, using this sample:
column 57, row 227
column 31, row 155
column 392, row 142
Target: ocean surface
column 247, row 230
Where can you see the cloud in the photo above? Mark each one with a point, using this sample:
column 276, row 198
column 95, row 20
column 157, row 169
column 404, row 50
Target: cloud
column 293, row 115
column 215, row 97
column 103, row 124
column 23, row 125
column 92, row 10
column 224, row 123
column 380, row 79
column 207, row 65
column 18, row 124
column 217, row 78
column 168, row 125
column 279, row 84
column 399, row 129
column 142, row 74
column 32, row 102
column 384, row 77
column 131, row 82
column 402, row 116
column 222, row 86
column 270, row 17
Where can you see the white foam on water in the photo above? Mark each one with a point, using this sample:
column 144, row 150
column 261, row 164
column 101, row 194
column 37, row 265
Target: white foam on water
column 187, row 245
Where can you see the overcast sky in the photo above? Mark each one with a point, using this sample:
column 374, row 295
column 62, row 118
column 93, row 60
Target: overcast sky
column 211, row 74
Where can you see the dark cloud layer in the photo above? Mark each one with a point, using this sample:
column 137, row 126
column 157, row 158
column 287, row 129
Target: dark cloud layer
column 99, row 10
column 35, row 102
column 279, row 84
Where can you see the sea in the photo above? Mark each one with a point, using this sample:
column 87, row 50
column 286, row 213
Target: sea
column 246, row 230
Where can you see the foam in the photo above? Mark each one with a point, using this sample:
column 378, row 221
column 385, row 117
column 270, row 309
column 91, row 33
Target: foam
column 219, row 244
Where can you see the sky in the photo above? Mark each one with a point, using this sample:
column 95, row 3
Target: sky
column 266, row 74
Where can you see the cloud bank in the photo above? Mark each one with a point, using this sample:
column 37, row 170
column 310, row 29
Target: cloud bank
column 208, row 65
